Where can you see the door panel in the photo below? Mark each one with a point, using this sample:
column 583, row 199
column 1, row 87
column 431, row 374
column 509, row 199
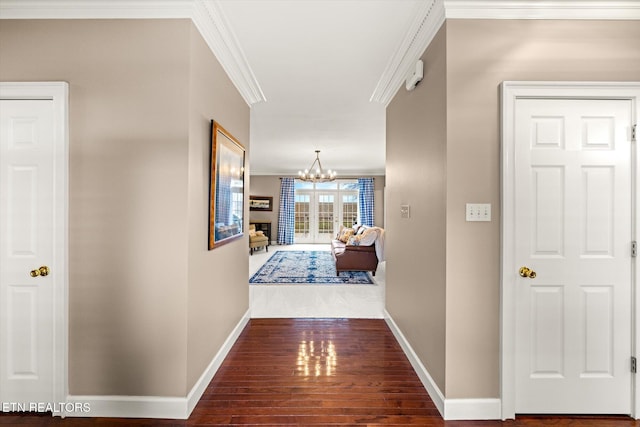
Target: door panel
column 597, row 222
column 548, row 210
column 303, row 219
column 573, row 225
column 547, row 352
column 597, row 318
column 326, row 215
column 349, row 208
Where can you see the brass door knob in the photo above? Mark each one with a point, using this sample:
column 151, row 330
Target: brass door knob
column 42, row 271
column 527, row 272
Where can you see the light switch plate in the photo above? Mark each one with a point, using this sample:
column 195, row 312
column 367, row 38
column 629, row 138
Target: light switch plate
column 405, row 211
column 478, row 211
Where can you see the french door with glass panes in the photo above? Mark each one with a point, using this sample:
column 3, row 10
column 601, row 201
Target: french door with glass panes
column 325, row 217
column 303, row 218
column 319, row 213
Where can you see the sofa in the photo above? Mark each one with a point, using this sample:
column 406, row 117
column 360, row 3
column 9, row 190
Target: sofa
column 358, row 249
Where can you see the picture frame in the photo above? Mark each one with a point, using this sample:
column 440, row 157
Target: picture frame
column 226, row 190
column 261, row 203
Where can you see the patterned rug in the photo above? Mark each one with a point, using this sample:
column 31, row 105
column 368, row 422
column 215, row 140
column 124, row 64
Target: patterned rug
column 313, row 267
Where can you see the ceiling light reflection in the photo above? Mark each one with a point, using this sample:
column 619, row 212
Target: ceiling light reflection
column 316, row 362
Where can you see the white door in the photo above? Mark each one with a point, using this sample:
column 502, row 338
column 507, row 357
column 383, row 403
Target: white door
column 573, row 228
column 320, row 212
column 316, row 216
column 27, row 223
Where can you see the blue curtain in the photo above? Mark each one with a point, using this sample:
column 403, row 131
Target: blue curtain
column 286, row 218
column 366, row 206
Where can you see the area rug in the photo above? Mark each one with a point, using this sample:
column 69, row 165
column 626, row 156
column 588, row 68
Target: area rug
column 306, row 267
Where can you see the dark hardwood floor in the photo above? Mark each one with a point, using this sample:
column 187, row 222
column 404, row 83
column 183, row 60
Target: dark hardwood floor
column 321, row 372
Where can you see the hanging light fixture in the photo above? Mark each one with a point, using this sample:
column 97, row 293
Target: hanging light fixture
column 315, row 172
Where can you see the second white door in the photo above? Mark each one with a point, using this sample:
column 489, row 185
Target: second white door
column 27, row 218
column 573, row 228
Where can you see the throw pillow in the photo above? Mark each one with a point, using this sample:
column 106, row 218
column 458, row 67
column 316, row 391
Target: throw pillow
column 342, row 231
column 346, row 234
column 362, row 229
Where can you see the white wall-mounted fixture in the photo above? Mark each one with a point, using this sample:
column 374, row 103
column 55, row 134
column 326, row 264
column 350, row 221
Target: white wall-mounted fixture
column 478, row 211
column 416, row 76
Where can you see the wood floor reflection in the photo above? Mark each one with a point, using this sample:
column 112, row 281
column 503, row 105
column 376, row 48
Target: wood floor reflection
column 316, row 372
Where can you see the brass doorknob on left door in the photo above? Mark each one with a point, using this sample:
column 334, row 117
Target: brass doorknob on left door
column 527, row 272
column 42, row 271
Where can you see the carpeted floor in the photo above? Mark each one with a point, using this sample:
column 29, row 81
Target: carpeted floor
column 306, row 267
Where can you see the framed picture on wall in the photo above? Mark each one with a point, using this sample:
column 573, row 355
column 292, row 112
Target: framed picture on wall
column 226, row 200
column 260, row 203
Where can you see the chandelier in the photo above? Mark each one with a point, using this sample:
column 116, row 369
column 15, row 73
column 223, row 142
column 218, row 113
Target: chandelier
column 315, row 172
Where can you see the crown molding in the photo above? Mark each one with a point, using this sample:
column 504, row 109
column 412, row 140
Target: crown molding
column 206, row 15
column 433, row 13
column 95, row 9
column 212, row 23
column 426, row 23
column 555, row 9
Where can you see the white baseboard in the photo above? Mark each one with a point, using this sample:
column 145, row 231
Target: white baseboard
column 426, row 379
column 152, row 406
column 472, row 409
column 450, row 409
column 126, row 407
column 201, row 385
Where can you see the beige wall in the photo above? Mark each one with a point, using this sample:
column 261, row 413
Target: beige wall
column 415, row 247
column 268, row 185
column 480, row 54
column 133, row 162
column 218, row 291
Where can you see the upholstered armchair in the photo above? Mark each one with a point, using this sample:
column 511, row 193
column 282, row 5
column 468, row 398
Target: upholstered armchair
column 257, row 239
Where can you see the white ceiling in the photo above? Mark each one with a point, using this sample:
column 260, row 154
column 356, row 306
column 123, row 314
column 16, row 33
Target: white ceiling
column 318, row 63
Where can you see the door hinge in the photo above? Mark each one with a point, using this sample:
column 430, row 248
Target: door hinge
column 633, row 133
column 634, row 367
column 634, row 249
